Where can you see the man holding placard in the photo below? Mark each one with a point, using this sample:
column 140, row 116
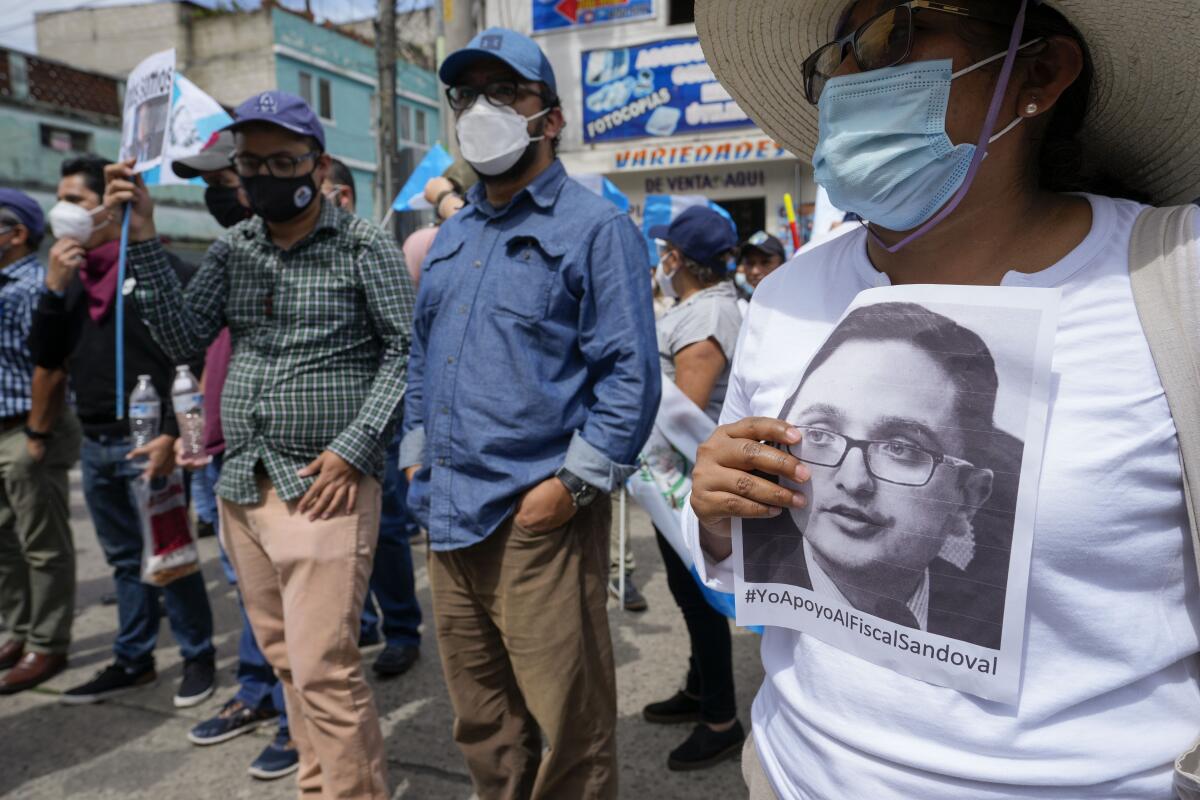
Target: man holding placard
column 318, row 304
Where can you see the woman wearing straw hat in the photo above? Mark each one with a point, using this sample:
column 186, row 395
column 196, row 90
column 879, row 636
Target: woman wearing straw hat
column 1084, row 110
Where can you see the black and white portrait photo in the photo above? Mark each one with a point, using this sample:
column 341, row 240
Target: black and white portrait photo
column 913, row 418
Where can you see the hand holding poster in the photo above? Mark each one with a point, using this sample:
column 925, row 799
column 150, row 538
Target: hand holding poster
column 147, row 111
column 923, row 416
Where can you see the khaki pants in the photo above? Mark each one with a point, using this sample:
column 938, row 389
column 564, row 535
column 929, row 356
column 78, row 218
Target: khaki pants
column 37, row 552
column 753, row 773
column 523, row 634
column 303, row 585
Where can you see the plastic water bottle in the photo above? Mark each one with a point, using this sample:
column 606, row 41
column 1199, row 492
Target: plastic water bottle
column 189, row 412
column 145, row 412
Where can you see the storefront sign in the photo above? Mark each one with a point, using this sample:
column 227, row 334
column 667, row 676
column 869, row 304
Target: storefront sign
column 658, row 89
column 549, row 15
column 706, row 182
column 698, row 155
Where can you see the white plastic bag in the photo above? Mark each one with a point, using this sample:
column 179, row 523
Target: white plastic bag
column 168, row 547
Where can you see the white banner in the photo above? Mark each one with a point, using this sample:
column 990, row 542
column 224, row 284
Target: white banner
column 923, row 417
column 146, row 116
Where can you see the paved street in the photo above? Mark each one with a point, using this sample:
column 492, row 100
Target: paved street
column 137, row 747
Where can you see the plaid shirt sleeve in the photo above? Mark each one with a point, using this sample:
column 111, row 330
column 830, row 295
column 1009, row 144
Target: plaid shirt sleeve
column 389, row 293
column 183, row 322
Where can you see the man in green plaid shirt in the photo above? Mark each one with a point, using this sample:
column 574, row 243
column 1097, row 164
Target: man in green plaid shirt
column 319, row 305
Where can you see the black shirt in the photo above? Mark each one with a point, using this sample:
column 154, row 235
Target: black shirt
column 64, row 334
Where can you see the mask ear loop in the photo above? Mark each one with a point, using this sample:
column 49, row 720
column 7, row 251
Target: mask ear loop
column 985, row 136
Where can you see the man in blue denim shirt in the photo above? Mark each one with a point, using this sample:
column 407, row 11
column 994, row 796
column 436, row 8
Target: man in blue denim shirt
column 533, row 383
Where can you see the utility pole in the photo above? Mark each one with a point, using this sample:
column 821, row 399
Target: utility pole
column 460, row 21
column 385, row 57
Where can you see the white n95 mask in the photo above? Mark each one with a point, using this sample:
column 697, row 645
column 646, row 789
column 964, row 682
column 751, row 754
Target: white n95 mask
column 73, row 221
column 493, row 138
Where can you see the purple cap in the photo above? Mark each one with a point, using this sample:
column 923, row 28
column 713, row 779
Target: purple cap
column 514, row 49
column 701, row 233
column 26, row 210
column 279, row 108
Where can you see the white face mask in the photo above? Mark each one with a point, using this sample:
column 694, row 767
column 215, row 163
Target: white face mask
column 493, row 138
column 73, row 221
column 664, row 280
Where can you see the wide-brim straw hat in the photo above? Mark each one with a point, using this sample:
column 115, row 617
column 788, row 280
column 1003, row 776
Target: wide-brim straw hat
column 1143, row 121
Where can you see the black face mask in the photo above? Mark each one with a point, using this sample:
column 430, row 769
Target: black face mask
column 280, row 199
column 223, row 204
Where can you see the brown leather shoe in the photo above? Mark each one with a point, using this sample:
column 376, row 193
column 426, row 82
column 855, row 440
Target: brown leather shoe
column 31, row 670
column 11, row 652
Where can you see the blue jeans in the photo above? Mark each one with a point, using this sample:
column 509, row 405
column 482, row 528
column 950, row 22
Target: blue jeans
column 258, row 687
column 204, row 497
column 392, row 585
column 108, row 489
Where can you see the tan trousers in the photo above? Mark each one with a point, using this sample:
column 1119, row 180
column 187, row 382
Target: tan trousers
column 753, row 773
column 523, row 635
column 303, row 585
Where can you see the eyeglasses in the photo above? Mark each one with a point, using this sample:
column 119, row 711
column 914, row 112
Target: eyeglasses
column 280, row 165
column 498, row 93
column 662, row 247
column 888, row 460
column 885, row 40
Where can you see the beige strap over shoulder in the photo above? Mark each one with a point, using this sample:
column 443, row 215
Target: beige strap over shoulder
column 1164, row 267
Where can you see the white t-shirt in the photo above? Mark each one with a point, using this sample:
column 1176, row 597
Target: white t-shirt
column 1109, row 691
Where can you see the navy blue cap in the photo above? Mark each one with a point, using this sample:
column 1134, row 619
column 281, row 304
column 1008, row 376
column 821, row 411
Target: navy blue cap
column 765, row 243
column 25, row 209
column 515, row 49
column 279, row 108
column 702, row 234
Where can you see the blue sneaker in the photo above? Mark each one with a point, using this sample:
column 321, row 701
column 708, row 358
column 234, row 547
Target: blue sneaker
column 234, row 719
column 279, row 759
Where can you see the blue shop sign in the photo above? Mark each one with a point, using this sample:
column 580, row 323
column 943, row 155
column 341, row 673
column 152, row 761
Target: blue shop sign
column 657, row 89
column 549, row 15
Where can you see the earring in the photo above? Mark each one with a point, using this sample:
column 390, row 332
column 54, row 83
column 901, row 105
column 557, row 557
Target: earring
column 1031, row 109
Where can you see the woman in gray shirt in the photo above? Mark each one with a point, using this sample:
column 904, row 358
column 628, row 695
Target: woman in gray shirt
column 696, row 340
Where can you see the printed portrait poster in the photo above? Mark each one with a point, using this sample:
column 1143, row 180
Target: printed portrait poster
column 923, row 417
column 146, row 117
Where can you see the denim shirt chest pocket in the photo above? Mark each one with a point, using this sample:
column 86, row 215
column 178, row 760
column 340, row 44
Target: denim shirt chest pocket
column 522, row 274
column 438, row 272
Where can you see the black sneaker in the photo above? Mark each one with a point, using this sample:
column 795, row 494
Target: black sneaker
column 633, row 601
column 113, row 680
column 396, row 659
column 234, row 719
column 205, row 529
column 198, row 683
column 706, row 747
column 680, row 708
column 279, row 759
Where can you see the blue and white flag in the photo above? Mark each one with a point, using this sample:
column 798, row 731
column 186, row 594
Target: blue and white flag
column 412, row 194
column 661, row 209
column 195, row 120
column 605, row 188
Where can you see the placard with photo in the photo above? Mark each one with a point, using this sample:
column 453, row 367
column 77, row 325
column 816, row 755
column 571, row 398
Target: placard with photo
column 923, row 416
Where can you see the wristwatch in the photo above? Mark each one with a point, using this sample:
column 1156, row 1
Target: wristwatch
column 582, row 492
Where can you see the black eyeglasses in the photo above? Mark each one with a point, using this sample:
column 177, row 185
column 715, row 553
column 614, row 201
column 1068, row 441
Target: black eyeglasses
column 887, row 460
column 280, row 165
column 498, row 93
column 885, row 40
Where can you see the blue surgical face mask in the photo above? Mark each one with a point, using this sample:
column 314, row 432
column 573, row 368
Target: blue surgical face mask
column 743, row 283
column 883, row 152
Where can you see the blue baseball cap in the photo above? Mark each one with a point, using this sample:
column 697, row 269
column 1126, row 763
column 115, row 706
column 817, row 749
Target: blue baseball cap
column 702, row 234
column 514, row 49
column 26, row 210
column 279, row 108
